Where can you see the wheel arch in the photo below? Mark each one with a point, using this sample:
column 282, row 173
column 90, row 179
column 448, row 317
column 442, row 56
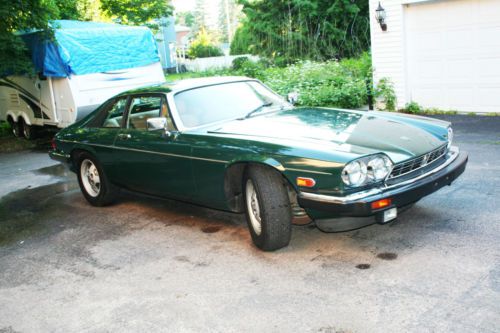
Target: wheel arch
column 76, row 152
column 233, row 180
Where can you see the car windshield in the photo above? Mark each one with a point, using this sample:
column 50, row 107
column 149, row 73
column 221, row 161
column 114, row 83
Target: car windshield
column 210, row 104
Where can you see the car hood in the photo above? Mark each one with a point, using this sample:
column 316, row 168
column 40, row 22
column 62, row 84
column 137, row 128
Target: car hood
column 355, row 132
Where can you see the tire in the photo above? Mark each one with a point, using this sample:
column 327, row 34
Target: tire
column 94, row 184
column 14, row 126
column 268, row 211
column 28, row 131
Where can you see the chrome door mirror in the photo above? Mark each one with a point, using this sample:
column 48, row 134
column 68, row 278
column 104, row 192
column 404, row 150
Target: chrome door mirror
column 156, row 123
column 292, row 97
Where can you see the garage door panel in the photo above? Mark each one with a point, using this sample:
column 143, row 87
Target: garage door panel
column 453, row 54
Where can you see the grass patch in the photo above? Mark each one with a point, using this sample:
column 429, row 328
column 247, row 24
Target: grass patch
column 4, row 129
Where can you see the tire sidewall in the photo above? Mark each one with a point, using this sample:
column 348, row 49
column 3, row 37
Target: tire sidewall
column 100, row 199
column 259, row 240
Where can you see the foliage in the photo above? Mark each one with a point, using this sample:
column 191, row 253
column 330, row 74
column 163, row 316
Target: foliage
column 332, row 83
column 303, row 29
column 184, row 18
column 385, row 92
column 18, row 16
column 413, row 107
column 229, row 15
column 83, row 10
column 137, row 12
column 24, row 15
column 239, row 62
column 203, row 46
column 243, row 41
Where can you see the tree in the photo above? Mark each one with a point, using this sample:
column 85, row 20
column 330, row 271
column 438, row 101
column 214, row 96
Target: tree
column 18, row 16
column 21, row 15
column 203, row 46
column 83, row 10
column 185, row 18
column 137, row 12
column 306, row 29
column 200, row 16
column 229, row 15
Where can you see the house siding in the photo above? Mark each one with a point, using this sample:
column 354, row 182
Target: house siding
column 440, row 53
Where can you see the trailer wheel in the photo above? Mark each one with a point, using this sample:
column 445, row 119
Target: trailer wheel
column 29, row 132
column 14, row 127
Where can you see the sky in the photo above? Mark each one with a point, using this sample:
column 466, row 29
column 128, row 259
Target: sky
column 183, row 5
column 189, row 5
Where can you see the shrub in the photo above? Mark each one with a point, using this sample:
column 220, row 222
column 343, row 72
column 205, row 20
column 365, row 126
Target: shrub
column 332, row 83
column 385, row 91
column 237, row 63
column 413, row 107
column 204, row 51
column 203, row 46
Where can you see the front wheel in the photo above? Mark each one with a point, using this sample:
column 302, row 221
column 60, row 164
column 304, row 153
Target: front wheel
column 268, row 212
column 93, row 182
column 14, row 127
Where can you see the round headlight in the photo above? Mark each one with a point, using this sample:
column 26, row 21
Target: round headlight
column 354, row 173
column 450, row 136
column 379, row 167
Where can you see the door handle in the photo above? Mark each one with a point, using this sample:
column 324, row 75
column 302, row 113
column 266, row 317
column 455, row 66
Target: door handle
column 124, row 136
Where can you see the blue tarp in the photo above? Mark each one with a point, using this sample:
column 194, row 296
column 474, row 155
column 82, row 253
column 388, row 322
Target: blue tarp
column 91, row 47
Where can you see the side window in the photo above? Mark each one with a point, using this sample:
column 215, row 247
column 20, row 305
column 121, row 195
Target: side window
column 144, row 107
column 114, row 113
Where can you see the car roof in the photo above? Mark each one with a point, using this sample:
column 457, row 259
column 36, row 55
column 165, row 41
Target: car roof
column 176, row 86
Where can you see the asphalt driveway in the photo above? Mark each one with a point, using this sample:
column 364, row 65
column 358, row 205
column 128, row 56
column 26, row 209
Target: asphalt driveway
column 148, row 265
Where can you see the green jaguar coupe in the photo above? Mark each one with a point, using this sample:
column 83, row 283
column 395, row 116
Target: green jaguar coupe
column 233, row 144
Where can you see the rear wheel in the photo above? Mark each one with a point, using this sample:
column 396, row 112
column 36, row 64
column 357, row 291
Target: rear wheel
column 268, row 210
column 29, row 132
column 93, row 182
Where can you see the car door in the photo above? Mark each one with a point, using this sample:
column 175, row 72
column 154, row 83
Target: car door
column 153, row 161
column 100, row 133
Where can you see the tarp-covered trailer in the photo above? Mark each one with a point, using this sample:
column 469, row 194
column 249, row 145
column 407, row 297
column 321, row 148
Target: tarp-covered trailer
column 82, row 66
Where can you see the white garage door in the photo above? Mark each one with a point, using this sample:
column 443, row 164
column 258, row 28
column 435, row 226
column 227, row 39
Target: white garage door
column 453, row 54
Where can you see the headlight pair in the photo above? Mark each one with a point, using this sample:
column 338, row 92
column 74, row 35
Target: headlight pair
column 366, row 170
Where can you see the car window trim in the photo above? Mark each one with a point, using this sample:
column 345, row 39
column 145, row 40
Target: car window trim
column 175, row 113
column 164, row 99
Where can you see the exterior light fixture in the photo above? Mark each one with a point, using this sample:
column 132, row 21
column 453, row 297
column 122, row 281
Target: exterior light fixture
column 380, row 16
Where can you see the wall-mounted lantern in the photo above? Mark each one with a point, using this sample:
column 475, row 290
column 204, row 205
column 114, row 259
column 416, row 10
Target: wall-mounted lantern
column 380, row 16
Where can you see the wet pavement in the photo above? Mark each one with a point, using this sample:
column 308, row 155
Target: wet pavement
column 156, row 265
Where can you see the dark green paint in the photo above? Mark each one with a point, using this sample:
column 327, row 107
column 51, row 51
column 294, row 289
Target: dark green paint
column 310, row 142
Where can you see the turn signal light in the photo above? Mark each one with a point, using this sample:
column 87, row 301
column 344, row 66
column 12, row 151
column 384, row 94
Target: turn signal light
column 381, row 203
column 305, row 182
column 53, row 144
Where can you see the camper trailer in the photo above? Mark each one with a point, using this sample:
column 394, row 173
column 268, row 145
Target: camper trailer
column 84, row 65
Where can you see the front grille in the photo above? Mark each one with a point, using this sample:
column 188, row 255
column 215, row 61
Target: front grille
column 417, row 163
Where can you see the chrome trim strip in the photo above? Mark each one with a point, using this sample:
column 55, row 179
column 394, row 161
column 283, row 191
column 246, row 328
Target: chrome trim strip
column 309, row 171
column 453, row 154
column 147, row 151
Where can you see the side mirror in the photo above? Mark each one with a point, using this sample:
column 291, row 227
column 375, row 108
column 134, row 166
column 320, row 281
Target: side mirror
column 293, row 97
column 157, row 123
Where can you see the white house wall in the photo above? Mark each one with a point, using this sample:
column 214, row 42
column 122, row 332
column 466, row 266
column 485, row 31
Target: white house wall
column 442, row 53
column 388, row 49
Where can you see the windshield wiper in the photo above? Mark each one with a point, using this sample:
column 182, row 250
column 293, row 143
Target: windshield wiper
column 257, row 110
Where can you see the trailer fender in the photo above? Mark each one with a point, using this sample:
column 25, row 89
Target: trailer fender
column 11, row 115
column 26, row 118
